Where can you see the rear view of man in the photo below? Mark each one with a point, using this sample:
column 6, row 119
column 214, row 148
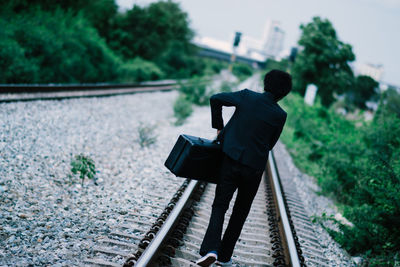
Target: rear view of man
column 246, row 140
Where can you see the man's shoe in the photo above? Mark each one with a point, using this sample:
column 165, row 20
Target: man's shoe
column 220, row 263
column 207, row 260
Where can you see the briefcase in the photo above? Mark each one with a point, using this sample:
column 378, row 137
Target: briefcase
column 195, row 158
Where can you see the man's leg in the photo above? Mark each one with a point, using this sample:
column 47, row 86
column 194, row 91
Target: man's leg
column 223, row 195
column 247, row 190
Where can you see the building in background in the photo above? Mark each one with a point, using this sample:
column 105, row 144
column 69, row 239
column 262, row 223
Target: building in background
column 271, row 43
column 273, row 38
column 268, row 46
column 375, row 71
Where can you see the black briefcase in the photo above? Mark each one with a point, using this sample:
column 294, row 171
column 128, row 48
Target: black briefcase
column 195, row 158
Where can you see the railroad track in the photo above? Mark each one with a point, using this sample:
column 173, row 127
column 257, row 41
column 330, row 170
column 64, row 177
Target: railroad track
column 278, row 231
column 29, row 92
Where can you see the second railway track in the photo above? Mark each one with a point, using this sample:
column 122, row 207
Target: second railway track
column 21, row 93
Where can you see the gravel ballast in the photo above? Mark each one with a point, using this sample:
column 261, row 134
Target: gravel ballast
column 48, row 218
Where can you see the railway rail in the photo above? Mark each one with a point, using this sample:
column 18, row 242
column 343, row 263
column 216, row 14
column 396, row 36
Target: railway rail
column 34, row 92
column 277, row 232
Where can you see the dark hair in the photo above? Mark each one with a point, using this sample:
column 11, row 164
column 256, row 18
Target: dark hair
column 278, row 83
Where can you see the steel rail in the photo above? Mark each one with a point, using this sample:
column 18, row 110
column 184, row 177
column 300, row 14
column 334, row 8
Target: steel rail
column 29, row 88
column 294, row 257
column 34, row 92
column 52, row 88
column 150, row 252
column 83, row 94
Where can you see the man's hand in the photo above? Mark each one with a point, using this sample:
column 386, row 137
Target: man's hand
column 218, row 131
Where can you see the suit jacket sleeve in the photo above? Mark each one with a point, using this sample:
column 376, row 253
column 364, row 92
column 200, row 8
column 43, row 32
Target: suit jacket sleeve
column 278, row 132
column 223, row 99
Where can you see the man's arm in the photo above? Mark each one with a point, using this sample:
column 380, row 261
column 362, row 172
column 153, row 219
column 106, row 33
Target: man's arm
column 275, row 137
column 223, row 99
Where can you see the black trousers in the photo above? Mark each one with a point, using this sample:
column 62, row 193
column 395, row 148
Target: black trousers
column 234, row 175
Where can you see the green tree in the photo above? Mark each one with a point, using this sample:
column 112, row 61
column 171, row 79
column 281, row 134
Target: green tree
column 180, row 64
column 57, row 46
column 100, row 13
column 363, row 89
column 390, row 102
column 149, row 31
column 323, row 60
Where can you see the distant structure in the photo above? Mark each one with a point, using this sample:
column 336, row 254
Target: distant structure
column 273, row 39
column 271, row 43
column 269, row 46
column 375, row 71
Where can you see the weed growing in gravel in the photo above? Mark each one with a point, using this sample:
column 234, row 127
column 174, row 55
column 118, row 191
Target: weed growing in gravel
column 227, row 87
column 182, row 109
column 83, row 165
column 147, row 136
column 197, row 91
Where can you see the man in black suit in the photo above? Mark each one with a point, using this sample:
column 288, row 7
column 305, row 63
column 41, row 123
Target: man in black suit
column 246, row 140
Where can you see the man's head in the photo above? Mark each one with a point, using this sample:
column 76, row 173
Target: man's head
column 278, row 83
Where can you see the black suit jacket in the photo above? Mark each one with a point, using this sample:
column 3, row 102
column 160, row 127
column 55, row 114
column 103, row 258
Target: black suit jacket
column 253, row 129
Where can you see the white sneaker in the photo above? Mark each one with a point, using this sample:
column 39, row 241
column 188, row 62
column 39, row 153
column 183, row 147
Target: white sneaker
column 207, row 260
column 228, row 263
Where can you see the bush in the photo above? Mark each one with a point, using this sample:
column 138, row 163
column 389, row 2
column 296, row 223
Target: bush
column 139, row 70
column 242, row 71
column 62, row 42
column 196, row 91
column 363, row 90
column 53, row 47
column 146, row 135
column 213, row 66
column 182, row 109
column 358, row 165
column 227, row 87
column 271, row 64
column 14, row 66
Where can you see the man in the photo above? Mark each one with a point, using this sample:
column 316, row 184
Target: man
column 246, row 140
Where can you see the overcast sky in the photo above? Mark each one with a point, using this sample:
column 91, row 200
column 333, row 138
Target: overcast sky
column 372, row 27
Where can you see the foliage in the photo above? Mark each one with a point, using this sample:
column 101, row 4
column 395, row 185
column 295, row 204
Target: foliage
column 99, row 13
column 158, row 32
column 242, row 71
column 146, row 135
column 390, row 100
column 182, row 109
column 358, row 166
column 83, row 165
column 272, row 64
column 15, row 67
column 178, row 63
column 213, row 66
column 138, row 70
column 195, row 91
column 53, row 47
column 44, row 41
column 227, row 87
column 323, row 60
column 363, row 90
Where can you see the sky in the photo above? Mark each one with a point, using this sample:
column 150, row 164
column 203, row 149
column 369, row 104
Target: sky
column 372, row 27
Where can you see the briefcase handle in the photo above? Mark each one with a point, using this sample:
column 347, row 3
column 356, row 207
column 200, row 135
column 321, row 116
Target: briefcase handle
column 216, row 141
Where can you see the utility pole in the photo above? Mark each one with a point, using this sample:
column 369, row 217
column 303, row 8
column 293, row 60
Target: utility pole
column 235, row 46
